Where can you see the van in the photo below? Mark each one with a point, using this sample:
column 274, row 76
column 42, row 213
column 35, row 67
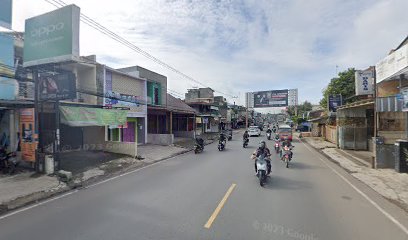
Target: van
column 285, row 132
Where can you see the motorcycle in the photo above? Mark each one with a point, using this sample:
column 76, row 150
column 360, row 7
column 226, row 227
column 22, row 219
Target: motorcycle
column 245, row 144
column 277, row 148
column 221, row 145
column 199, row 145
column 268, row 135
column 8, row 161
column 287, row 155
column 230, row 135
column 262, row 170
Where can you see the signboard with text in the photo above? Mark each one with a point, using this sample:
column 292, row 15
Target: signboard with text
column 335, row 101
column 392, row 64
column 57, row 87
column 364, row 81
column 272, row 98
column 404, row 96
column 52, row 37
column 28, row 137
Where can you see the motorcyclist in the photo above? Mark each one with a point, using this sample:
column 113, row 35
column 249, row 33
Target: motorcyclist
column 200, row 142
column 222, row 138
column 270, row 133
column 287, row 143
column 262, row 149
column 246, row 135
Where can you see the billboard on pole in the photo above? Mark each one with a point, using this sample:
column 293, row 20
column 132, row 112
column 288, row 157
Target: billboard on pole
column 52, row 37
column 272, row 98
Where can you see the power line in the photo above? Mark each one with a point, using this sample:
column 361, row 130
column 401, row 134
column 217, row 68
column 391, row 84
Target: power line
column 90, row 22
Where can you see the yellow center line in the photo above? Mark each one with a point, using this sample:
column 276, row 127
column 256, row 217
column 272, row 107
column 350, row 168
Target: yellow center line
column 219, row 207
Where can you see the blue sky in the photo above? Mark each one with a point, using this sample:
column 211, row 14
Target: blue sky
column 237, row 46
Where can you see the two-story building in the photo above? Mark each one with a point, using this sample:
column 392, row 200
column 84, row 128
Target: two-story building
column 391, row 104
column 202, row 100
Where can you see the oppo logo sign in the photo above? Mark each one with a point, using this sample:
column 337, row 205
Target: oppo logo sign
column 46, row 30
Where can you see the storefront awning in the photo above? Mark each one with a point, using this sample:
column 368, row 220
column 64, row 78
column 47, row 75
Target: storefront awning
column 84, row 116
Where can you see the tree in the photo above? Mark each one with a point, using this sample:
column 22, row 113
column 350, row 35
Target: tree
column 344, row 84
column 302, row 108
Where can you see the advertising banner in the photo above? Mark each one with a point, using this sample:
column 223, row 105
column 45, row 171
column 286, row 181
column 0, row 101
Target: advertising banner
column 8, row 86
column 6, row 56
column 273, row 98
column 118, row 99
column 364, row 81
column 83, row 116
column 335, row 101
column 52, row 37
column 58, row 87
column 28, row 138
column 6, row 10
column 392, row 64
column 404, row 93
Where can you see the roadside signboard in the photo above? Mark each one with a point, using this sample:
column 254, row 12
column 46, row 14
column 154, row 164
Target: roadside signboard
column 364, row 81
column 52, row 37
column 28, row 137
column 6, row 10
column 58, row 87
column 404, row 93
column 335, row 101
column 272, row 98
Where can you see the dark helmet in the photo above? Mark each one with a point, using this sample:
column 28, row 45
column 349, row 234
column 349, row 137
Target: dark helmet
column 262, row 144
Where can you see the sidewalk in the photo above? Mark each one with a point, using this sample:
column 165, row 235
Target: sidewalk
column 387, row 182
column 27, row 187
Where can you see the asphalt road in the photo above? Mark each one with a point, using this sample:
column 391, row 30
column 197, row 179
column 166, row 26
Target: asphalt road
column 176, row 198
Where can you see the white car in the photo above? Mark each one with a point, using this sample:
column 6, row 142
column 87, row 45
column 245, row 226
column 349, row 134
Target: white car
column 254, row 131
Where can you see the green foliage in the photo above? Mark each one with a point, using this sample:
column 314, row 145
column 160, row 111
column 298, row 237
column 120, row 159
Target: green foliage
column 343, row 84
column 302, row 108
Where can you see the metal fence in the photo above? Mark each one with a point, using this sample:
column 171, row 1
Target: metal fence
column 351, row 137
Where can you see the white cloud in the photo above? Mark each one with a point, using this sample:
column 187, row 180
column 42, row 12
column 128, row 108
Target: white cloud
column 237, row 45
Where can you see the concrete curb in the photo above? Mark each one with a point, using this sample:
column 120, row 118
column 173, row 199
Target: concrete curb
column 31, row 199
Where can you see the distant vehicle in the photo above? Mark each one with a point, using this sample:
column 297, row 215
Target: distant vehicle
column 254, row 131
column 285, row 132
column 301, row 128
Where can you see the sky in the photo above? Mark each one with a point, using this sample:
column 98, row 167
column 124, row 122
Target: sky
column 238, row 46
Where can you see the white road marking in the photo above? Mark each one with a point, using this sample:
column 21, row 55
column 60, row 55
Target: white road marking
column 389, row 216
column 87, row 187
column 37, row 204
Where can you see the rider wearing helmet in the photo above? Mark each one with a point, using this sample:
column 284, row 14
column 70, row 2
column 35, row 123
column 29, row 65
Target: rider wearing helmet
column 246, row 135
column 288, row 144
column 262, row 150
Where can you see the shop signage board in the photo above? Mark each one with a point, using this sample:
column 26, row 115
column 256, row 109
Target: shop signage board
column 393, row 64
column 404, row 93
column 28, row 137
column 335, row 101
column 364, row 81
column 58, row 87
column 6, row 11
column 84, row 116
column 8, row 86
column 52, row 37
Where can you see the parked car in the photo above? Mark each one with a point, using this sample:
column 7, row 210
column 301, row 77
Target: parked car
column 302, row 128
column 254, row 131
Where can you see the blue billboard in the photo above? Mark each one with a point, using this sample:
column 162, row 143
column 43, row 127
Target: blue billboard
column 5, row 13
column 335, row 101
column 8, row 85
